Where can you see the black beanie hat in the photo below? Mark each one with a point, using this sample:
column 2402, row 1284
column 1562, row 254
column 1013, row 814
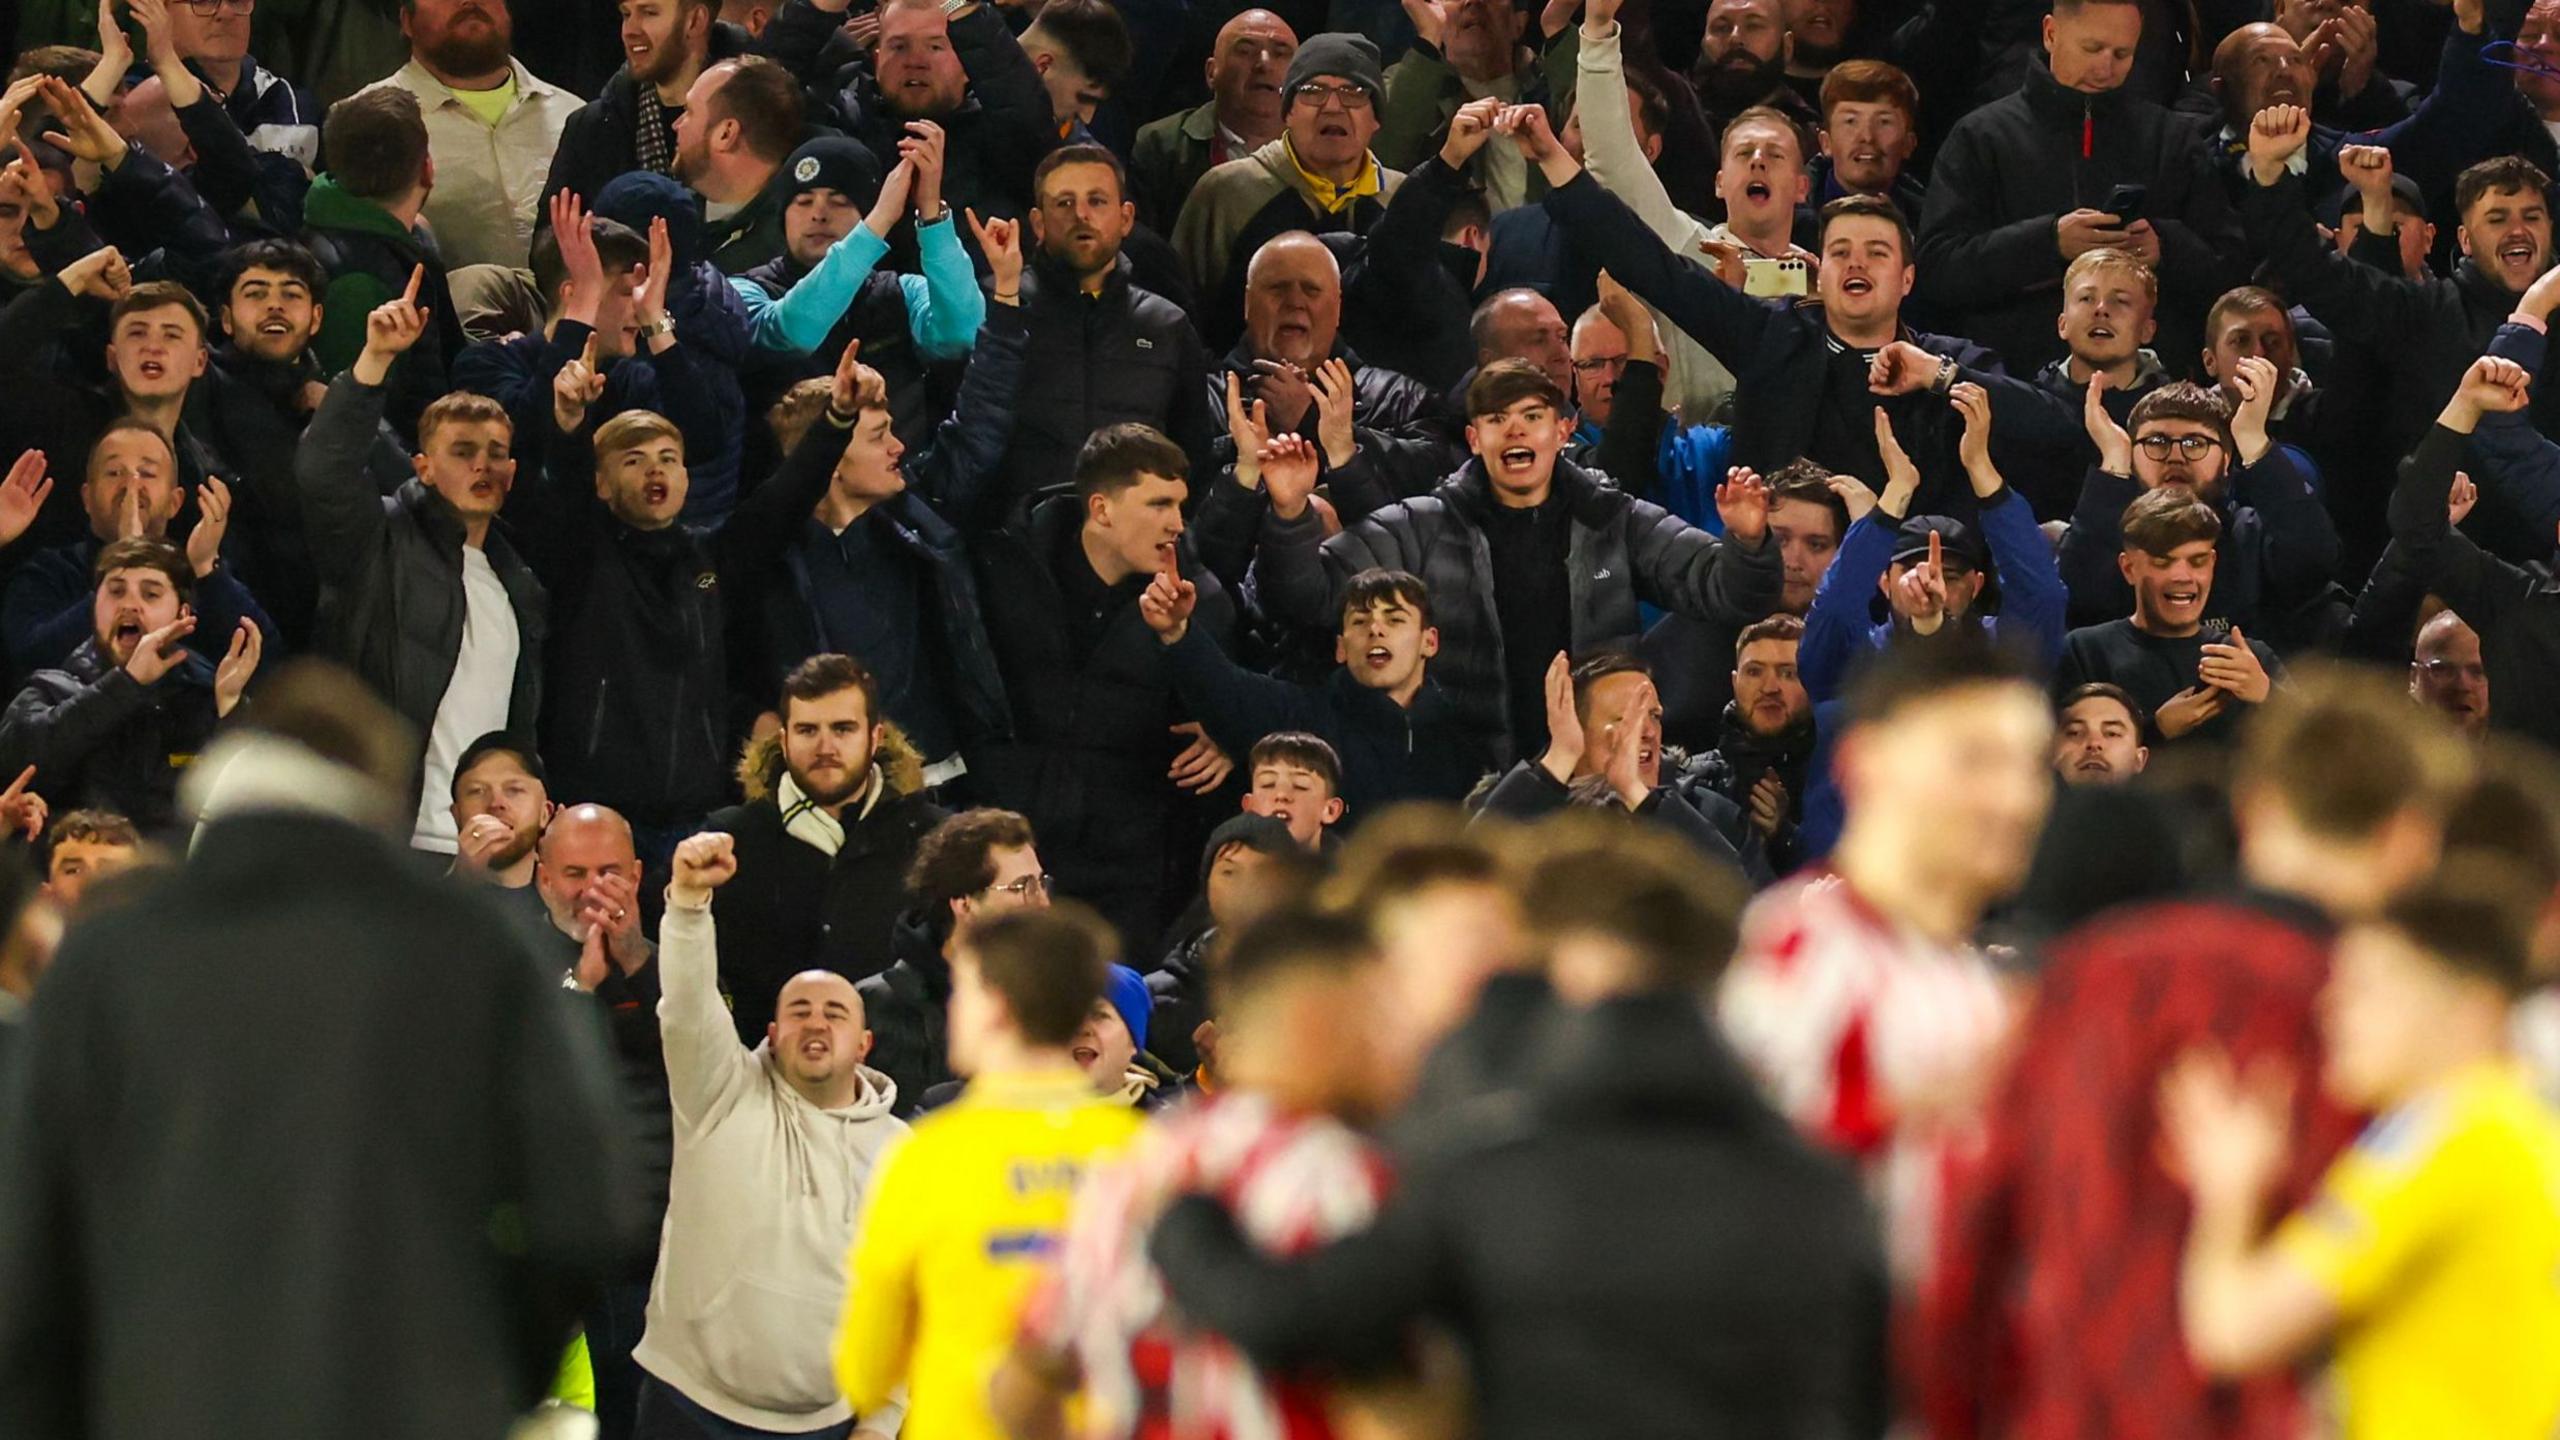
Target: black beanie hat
column 1338, row 52
column 830, row 162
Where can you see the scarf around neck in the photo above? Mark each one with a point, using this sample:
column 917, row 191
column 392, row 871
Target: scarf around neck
column 805, row 821
column 1328, row 196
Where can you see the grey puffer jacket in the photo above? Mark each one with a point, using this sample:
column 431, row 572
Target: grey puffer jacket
column 1624, row 551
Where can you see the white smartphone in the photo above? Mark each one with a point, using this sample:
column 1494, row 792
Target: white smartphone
column 1766, row 277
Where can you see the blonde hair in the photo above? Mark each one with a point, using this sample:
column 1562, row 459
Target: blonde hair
column 2107, row 258
column 462, row 407
column 632, row 429
column 802, row 404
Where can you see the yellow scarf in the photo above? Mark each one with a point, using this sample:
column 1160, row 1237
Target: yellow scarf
column 1331, row 198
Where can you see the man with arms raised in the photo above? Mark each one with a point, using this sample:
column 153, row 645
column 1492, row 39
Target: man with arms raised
column 774, row 1151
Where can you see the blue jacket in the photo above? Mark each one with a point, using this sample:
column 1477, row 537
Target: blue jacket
column 944, row 304
column 1838, row 632
column 2518, row 462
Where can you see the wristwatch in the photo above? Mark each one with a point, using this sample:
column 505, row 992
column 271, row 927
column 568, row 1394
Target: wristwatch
column 663, row 325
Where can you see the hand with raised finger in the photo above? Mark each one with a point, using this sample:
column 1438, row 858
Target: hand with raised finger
column 239, row 664
column 158, row 652
column 1167, row 602
column 22, row 495
column 1337, row 397
column 578, row 385
column 702, row 863
column 213, row 521
column 22, row 811
column 1000, row 243
column 845, row 387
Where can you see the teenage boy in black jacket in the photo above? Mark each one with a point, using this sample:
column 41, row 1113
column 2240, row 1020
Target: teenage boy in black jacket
column 1397, row 735
column 636, row 705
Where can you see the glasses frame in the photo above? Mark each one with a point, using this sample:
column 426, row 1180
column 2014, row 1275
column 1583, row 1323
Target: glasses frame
column 2191, row 447
column 1354, row 98
column 1044, row 882
column 207, row 9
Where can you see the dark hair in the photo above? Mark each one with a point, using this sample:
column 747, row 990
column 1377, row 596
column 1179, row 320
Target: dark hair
column 1374, row 587
column 1093, row 35
column 1597, row 666
column 618, row 247
column 143, row 553
column 2186, row 400
column 282, row 256
column 1467, row 207
column 1870, row 82
column 1281, row 946
column 374, row 143
column 2242, row 300
column 2074, row 7
column 1048, row 965
column 92, row 827
column 2344, row 752
column 1870, row 207
column 69, row 63
column 1502, row 384
column 1066, row 155
column 2103, row 690
column 1652, row 106
column 820, row 676
column 2159, row 521
column 1775, row 627
column 761, row 95
column 953, row 860
column 1299, row 748
column 2476, row 921
column 1804, row 480
column 159, row 295
column 1635, row 886
column 1115, row 456
column 2503, row 172
column 1902, row 676
column 2511, row 811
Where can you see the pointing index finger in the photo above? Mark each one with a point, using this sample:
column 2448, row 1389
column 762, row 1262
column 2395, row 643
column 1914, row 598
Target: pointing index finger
column 417, row 276
column 1934, row 550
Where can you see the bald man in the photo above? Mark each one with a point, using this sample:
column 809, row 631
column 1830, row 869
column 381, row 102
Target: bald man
column 1292, row 330
column 1522, row 324
column 774, row 1148
column 1245, row 67
column 587, row 871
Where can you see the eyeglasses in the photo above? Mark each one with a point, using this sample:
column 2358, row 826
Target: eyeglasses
column 1599, row 363
column 2189, row 447
column 2441, row 670
column 1021, row 889
column 1351, row 96
column 215, row 7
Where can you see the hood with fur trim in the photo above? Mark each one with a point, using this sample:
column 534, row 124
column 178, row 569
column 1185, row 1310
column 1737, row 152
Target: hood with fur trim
column 760, row 763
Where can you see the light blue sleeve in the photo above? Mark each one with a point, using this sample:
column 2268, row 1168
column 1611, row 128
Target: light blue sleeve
column 800, row 320
column 945, row 307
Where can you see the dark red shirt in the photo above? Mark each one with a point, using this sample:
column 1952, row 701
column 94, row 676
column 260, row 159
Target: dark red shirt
column 2054, row 1312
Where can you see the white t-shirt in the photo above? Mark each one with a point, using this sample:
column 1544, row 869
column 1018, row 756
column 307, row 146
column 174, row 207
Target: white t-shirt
column 475, row 699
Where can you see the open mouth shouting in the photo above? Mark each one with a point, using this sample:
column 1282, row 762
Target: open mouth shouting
column 1758, row 192
column 127, row 634
column 2092, row 764
column 816, row 1047
column 1083, row 1054
column 151, row 369
column 2102, row 332
column 655, row 493
column 1519, row 460
column 274, row 327
column 2517, row 250
column 2182, row 599
column 1857, row 286
column 1377, row 657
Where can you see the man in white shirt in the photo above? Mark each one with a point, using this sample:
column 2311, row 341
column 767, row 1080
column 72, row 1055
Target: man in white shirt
column 491, row 127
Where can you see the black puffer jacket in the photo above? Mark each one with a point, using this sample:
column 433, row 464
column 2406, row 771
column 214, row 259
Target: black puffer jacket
column 1125, row 355
column 907, row 1007
column 1587, row 1305
column 1091, row 732
column 636, row 699
column 1989, row 266
column 1623, row 551
column 390, row 570
column 105, row 741
column 1394, row 415
column 792, row 907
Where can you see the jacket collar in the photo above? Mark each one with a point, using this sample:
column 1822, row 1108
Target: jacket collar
column 1050, row 277
column 2480, row 291
column 2053, row 100
column 1470, row 492
column 417, row 80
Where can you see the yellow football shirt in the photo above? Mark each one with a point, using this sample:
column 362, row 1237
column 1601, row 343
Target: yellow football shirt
column 961, row 1217
column 2437, row 1235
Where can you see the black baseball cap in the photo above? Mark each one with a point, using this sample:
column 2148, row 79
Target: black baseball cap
column 1956, row 541
column 498, row 742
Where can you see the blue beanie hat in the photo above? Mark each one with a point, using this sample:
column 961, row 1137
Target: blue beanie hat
column 1127, row 993
column 637, row 197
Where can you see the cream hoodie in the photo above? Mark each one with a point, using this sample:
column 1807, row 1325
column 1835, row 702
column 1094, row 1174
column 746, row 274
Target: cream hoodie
column 766, row 1191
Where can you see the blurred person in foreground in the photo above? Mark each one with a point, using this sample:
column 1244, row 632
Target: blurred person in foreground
column 1586, row 1304
column 2428, row 1263
column 244, row 1030
column 2059, row 1266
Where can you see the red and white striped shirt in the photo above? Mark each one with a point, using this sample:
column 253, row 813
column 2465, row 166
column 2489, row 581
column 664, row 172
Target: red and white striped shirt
column 1873, row 1038
column 1292, row 1182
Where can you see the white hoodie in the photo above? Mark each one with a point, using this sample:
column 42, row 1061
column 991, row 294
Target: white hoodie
column 766, row 1192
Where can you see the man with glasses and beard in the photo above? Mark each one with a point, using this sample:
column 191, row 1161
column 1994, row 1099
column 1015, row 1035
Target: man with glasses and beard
column 834, row 813
column 492, row 126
